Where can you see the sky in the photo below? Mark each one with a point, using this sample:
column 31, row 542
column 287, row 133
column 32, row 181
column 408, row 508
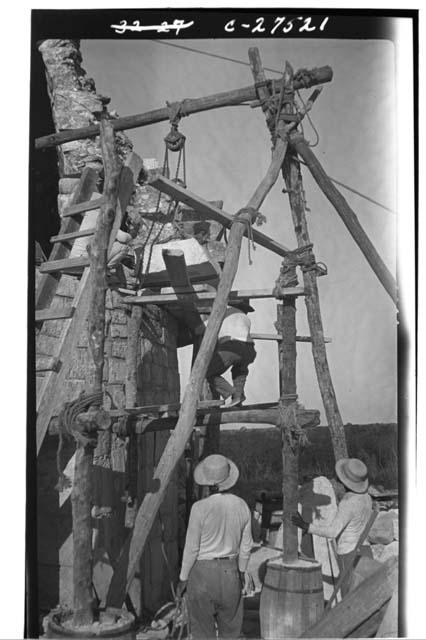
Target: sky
column 228, row 152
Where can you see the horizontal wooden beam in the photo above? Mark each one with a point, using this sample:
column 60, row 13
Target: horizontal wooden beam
column 204, row 208
column 54, row 314
column 204, row 296
column 65, row 237
column 189, row 106
column 278, row 336
column 150, row 409
column 82, row 207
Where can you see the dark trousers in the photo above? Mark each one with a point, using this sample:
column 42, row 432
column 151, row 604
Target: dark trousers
column 214, row 598
column 235, row 354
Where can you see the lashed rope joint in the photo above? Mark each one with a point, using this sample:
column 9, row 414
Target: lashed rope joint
column 66, row 424
column 287, row 421
column 241, row 217
column 175, row 140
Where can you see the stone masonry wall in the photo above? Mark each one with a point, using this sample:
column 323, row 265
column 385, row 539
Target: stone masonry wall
column 73, row 98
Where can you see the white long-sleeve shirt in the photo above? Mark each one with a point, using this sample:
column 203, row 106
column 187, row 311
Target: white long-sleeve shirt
column 219, row 527
column 235, row 326
column 352, row 515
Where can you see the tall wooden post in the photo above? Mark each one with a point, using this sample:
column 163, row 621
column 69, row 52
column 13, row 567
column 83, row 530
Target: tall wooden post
column 286, row 326
column 294, row 185
column 81, row 497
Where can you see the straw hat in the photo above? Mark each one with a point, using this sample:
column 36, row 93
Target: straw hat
column 353, row 473
column 216, row 470
column 243, row 304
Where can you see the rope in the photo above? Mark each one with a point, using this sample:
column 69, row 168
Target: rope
column 66, row 421
column 287, row 420
column 247, row 221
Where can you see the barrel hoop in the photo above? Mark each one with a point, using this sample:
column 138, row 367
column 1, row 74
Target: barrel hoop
column 298, row 569
column 307, row 591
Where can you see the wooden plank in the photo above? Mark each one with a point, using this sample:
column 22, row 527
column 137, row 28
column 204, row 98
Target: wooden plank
column 67, row 264
column 177, row 441
column 161, row 408
column 82, row 207
column 174, row 259
column 47, row 363
column 346, row 214
column 211, row 296
column 177, row 192
column 47, row 285
column 294, row 185
column 189, row 214
column 54, row 314
column 358, row 605
column 66, row 237
column 278, row 336
column 190, row 105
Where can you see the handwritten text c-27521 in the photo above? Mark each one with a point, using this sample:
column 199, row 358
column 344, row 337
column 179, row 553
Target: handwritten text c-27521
column 278, row 25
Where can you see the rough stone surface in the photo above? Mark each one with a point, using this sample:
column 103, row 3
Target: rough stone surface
column 73, row 98
column 382, row 531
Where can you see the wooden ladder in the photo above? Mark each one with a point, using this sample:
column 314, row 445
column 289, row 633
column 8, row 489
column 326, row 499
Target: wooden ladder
column 54, row 300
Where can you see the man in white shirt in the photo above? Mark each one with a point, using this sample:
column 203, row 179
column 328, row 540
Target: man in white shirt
column 216, row 553
column 353, row 513
column 235, row 350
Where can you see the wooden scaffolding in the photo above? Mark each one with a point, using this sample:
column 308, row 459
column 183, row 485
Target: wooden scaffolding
column 92, row 421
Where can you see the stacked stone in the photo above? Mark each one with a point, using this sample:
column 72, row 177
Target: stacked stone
column 384, row 535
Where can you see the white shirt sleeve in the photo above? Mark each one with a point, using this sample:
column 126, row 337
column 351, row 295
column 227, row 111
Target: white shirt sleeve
column 332, row 529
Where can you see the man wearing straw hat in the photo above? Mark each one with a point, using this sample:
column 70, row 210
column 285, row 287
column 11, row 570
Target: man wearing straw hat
column 234, row 350
column 353, row 514
column 216, row 553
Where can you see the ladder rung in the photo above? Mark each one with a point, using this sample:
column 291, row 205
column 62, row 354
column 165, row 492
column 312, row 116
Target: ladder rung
column 74, row 234
column 54, row 314
column 47, row 363
column 205, row 296
column 68, row 264
column 89, row 205
column 278, row 336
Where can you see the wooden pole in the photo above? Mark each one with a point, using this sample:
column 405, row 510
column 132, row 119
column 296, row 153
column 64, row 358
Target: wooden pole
column 98, row 252
column 294, row 185
column 82, row 488
column 176, row 443
column 189, row 106
column 286, row 325
column 347, row 215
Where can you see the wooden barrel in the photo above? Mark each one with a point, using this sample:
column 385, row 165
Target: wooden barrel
column 292, row 598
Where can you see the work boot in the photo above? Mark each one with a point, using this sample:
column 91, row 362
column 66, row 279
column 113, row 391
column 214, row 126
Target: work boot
column 237, row 399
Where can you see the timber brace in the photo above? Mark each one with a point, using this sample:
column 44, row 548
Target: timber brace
column 302, row 257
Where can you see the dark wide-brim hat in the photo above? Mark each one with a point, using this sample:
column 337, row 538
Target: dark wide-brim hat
column 353, row 473
column 216, row 470
column 243, row 305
